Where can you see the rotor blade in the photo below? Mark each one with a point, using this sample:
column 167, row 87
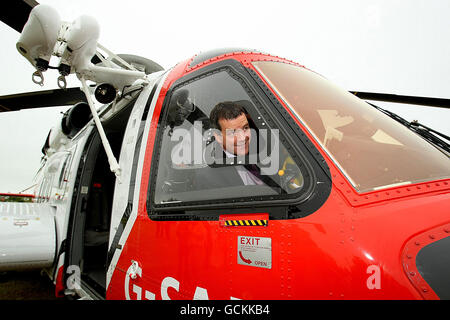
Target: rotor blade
column 41, row 99
column 15, row 13
column 424, row 101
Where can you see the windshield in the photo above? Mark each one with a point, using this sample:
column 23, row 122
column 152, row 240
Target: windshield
column 371, row 149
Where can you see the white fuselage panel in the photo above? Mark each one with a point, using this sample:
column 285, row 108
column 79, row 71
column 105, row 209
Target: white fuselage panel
column 27, row 235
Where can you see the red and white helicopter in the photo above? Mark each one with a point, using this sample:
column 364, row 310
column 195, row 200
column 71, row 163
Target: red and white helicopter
column 354, row 200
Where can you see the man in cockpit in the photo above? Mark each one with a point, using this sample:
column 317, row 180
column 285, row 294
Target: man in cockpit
column 230, row 150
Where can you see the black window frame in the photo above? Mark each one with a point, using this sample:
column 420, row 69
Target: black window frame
column 317, row 181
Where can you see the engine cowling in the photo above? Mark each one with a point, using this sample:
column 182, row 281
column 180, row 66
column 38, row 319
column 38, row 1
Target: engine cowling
column 75, row 119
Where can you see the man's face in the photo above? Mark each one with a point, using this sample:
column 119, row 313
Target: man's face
column 235, row 135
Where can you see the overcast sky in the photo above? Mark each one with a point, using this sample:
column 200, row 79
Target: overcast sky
column 392, row 46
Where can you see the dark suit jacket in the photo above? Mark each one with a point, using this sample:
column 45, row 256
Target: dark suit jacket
column 213, row 177
column 216, row 176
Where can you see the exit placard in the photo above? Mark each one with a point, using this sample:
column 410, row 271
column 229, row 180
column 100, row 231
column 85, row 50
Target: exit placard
column 255, row 251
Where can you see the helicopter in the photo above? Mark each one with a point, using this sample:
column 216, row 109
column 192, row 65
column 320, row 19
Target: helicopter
column 352, row 201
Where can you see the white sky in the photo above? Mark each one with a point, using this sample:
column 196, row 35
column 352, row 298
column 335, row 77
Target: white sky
column 389, row 46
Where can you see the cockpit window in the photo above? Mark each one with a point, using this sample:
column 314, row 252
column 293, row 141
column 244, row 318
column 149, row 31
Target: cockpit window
column 371, row 149
column 243, row 159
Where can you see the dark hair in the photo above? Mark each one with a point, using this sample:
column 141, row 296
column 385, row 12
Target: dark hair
column 225, row 110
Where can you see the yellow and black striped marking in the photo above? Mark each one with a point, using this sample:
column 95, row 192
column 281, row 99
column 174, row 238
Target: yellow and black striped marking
column 246, row 223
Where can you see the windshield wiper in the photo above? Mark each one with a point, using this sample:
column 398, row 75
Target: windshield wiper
column 425, row 132
column 430, row 135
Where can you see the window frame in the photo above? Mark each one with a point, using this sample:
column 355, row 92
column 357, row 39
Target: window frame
column 208, row 209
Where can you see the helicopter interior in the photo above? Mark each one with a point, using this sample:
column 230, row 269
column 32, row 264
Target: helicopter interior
column 94, row 204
